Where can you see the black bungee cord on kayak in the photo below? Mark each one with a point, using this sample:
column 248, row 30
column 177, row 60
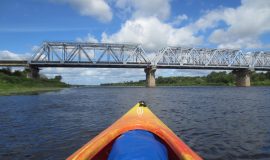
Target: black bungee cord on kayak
column 142, row 104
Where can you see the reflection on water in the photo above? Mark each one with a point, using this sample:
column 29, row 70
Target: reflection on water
column 217, row 122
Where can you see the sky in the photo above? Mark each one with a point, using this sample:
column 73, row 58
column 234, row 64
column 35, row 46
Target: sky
column 236, row 24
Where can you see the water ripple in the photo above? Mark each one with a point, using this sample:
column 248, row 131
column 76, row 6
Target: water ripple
column 217, row 122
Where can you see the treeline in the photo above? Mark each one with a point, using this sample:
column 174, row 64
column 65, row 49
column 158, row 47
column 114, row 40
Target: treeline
column 214, row 78
column 13, row 82
column 8, row 76
column 260, row 78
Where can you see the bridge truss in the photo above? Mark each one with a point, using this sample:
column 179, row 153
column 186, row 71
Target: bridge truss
column 62, row 54
column 203, row 58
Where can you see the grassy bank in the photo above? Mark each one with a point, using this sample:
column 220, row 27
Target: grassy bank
column 213, row 79
column 17, row 83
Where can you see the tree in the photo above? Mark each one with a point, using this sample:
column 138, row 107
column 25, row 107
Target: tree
column 58, row 78
column 219, row 77
column 6, row 71
column 18, row 73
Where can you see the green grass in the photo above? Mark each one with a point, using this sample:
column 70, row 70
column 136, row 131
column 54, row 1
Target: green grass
column 11, row 84
column 261, row 83
column 26, row 90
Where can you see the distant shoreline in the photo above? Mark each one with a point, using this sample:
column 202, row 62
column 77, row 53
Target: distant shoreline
column 212, row 85
column 212, row 79
column 17, row 83
column 27, row 91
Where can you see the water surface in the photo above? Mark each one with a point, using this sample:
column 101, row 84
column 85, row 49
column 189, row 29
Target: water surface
column 217, row 122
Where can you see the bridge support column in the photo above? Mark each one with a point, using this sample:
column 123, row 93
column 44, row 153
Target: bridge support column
column 242, row 77
column 33, row 72
column 150, row 77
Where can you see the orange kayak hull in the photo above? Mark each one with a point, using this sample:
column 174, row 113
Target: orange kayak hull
column 138, row 117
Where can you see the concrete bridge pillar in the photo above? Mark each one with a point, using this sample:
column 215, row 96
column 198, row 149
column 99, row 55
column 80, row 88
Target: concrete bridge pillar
column 150, row 76
column 242, row 77
column 33, row 72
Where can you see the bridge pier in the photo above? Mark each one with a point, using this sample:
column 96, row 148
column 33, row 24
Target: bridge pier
column 33, row 72
column 242, row 77
column 150, row 77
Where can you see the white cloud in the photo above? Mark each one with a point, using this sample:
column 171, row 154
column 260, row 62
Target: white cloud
column 208, row 21
column 179, row 19
column 95, row 76
column 143, row 8
column 95, row 8
column 244, row 24
column 225, row 39
column 89, row 38
column 152, row 34
column 181, row 72
column 7, row 55
column 239, row 27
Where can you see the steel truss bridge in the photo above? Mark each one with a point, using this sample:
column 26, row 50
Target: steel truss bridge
column 106, row 55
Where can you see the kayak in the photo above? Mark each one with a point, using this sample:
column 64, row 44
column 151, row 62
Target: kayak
column 138, row 133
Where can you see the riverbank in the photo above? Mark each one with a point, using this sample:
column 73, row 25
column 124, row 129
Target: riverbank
column 19, row 90
column 13, row 83
column 212, row 79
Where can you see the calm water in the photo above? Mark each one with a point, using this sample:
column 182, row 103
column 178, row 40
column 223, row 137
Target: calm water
column 217, row 122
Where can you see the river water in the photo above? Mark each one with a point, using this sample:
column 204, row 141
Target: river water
column 217, row 122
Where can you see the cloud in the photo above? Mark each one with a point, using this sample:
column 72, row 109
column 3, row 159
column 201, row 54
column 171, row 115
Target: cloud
column 181, row 72
column 242, row 26
column 86, row 76
column 179, row 19
column 239, row 27
column 152, row 34
column 89, row 38
column 7, row 55
column 143, row 8
column 226, row 39
column 94, row 8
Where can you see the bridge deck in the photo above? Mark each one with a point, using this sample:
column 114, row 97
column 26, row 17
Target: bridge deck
column 24, row 63
column 13, row 63
column 91, row 65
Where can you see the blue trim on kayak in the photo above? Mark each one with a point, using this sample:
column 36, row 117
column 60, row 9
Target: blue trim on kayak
column 138, row 144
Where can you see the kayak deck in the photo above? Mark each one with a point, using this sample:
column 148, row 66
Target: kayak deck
column 138, row 144
column 139, row 117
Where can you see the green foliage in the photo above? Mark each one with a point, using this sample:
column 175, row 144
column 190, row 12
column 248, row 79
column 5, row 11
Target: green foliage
column 214, row 78
column 58, row 78
column 222, row 78
column 260, row 76
column 260, row 79
column 180, row 81
column 17, row 82
column 6, row 71
column 18, row 74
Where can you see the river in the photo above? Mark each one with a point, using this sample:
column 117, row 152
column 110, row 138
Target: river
column 217, row 122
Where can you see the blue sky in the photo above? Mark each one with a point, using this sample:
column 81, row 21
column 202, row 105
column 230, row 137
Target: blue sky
column 25, row 24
